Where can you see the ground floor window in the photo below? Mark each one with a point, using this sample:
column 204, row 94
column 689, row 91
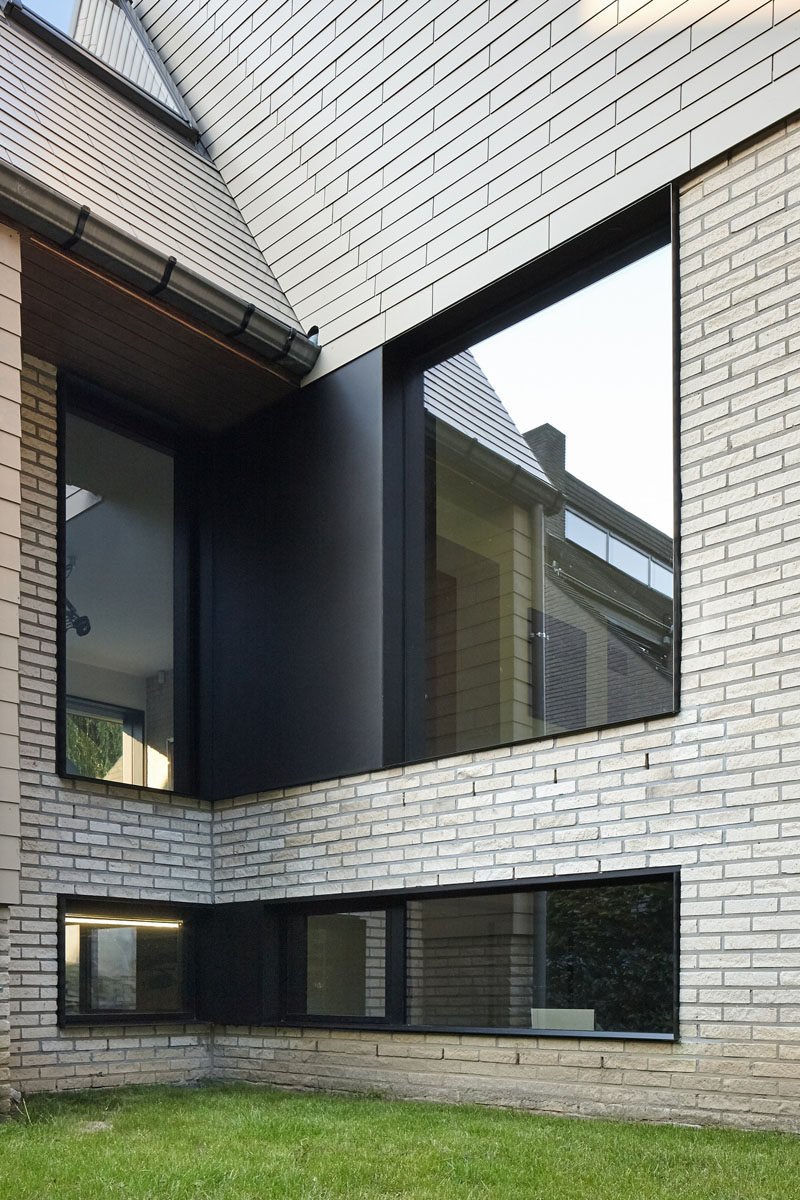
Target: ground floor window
column 583, row 957
column 124, row 962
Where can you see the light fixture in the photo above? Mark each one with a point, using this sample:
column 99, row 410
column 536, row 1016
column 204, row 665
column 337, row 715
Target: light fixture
column 124, row 922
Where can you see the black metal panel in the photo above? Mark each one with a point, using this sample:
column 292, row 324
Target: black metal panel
column 232, row 941
column 297, row 509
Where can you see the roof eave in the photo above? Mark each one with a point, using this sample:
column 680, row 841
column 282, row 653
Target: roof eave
column 75, row 228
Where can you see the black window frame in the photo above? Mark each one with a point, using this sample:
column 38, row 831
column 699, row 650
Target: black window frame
column 84, row 399
column 277, row 1007
column 606, row 247
column 132, row 910
column 292, row 943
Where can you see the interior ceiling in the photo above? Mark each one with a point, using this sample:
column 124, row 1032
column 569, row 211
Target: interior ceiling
column 80, row 319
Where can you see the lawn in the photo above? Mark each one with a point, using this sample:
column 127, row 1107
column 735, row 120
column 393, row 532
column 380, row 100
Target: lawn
column 222, row 1142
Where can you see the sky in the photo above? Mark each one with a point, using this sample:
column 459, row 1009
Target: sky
column 598, row 366
column 57, row 12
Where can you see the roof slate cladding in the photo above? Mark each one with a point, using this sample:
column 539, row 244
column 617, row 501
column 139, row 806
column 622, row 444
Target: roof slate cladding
column 458, row 393
column 68, row 130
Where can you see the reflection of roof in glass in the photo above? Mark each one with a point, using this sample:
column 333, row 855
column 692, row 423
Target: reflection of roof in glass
column 458, row 393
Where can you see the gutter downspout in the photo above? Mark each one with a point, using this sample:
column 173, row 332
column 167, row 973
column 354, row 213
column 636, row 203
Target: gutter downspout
column 74, row 228
column 538, row 633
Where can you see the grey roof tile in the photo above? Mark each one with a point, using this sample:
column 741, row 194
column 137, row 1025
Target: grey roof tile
column 73, row 133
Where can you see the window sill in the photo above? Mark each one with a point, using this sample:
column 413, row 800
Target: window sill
column 470, row 1030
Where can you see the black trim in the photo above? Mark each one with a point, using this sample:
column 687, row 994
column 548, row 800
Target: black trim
column 604, row 248
column 677, row 490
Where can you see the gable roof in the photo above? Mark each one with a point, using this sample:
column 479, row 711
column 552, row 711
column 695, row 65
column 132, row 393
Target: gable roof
column 68, row 131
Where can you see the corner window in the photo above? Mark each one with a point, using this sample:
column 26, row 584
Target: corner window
column 548, row 580
column 578, row 958
column 118, row 550
column 124, row 962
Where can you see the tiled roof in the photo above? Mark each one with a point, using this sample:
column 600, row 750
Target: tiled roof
column 71, row 132
column 458, row 392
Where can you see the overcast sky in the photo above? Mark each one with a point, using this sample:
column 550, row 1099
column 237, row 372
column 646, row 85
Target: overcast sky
column 598, row 366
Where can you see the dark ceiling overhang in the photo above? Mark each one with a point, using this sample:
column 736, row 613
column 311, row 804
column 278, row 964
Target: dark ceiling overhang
column 78, row 261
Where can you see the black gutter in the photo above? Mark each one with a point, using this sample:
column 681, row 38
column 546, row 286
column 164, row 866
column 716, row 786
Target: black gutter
column 75, row 228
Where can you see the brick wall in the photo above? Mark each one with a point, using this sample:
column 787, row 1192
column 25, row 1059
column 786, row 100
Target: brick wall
column 83, row 839
column 714, row 790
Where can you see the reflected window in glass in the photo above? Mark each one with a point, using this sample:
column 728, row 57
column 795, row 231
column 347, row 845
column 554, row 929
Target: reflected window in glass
column 549, row 493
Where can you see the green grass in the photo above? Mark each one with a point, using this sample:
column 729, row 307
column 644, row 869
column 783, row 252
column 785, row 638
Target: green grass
column 237, row 1143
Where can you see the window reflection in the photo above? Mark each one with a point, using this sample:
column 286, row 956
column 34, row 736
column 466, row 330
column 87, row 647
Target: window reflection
column 119, row 601
column 598, row 959
column 549, row 551
column 107, row 30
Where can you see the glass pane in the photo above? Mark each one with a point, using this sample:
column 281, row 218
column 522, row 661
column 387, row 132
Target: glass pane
column 661, row 579
column 346, row 964
column 114, row 965
column 104, row 29
column 585, row 534
column 113, row 969
column 626, row 559
column 119, row 655
column 597, row 958
column 537, row 454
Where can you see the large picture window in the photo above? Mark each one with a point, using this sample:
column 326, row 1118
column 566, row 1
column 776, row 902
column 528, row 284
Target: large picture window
column 549, row 566
column 118, row 607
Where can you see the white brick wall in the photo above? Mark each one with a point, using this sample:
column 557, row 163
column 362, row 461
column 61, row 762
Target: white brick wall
column 88, row 840
column 714, row 790
column 393, row 156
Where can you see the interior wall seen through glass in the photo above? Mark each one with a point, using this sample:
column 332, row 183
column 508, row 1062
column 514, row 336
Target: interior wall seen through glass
column 118, row 557
column 549, row 573
column 346, row 964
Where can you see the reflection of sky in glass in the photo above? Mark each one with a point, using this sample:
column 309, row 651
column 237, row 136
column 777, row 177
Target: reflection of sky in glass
column 57, row 12
column 598, row 365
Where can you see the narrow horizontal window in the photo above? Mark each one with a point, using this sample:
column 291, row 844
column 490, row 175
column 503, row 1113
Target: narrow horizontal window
column 583, row 959
column 119, row 964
